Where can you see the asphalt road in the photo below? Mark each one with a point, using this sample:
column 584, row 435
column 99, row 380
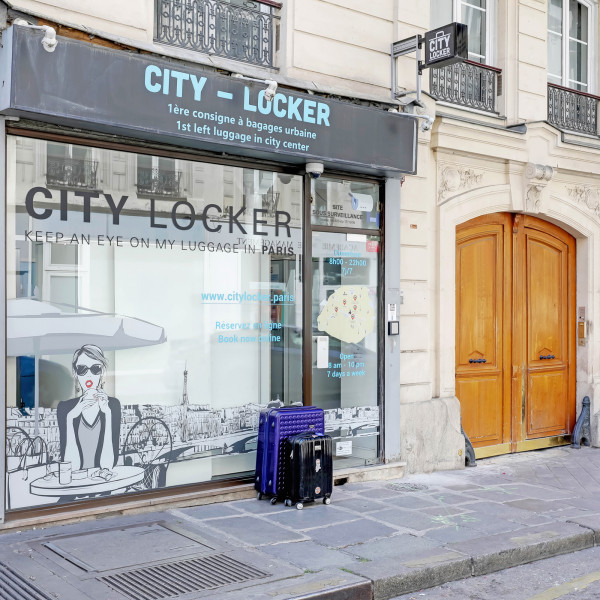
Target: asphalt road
column 568, row 577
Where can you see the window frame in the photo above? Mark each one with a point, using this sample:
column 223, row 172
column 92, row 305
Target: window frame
column 491, row 22
column 592, row 36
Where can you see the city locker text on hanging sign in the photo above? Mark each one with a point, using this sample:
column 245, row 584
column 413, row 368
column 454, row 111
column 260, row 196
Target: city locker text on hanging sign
column 179, row 83
column 446, row 45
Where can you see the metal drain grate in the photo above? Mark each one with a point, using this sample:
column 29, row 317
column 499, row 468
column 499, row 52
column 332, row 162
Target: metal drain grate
column 407, row 487
column 15, row 587
column 172, row 579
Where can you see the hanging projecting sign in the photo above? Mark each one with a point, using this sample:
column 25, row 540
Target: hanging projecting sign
column 446, row 45
column 87, row 86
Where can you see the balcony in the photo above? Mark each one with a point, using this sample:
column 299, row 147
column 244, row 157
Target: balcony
column 64, row 172
column 467, row 84
column 244, row 32
column 571, row 110
column 154, row 182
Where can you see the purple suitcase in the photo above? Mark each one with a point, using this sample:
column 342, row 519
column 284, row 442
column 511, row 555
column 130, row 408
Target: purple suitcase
column 274, row 427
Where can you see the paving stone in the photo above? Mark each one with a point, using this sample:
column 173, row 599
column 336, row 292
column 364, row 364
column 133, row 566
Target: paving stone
column 442, row 497
column 569, row 513
column 308, row 555
column 590, row 504
column 210, row 511
column 410, row 519
column 463, row 487
column 254, row 531
column 445, row 511
column 379, row 493
column 341, row 535
column 361, row 505
column 536, row 505
column 412, row 501
column 312, row 515
column 258, row 507
column 498, row 494
column 398, row 546
column 493, row 525
column 534, row 491
column 487, row 510
column 453, row 533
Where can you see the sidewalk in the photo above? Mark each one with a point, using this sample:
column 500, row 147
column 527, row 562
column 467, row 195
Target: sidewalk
column 376, row 540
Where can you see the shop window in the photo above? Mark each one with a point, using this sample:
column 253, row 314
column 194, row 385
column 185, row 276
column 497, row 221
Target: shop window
column 173, row 322
column 569, row 44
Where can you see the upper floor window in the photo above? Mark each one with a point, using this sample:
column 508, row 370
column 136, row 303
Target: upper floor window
column 569, row 50
column 242, row 30
column 70, row 167
column 478, row 15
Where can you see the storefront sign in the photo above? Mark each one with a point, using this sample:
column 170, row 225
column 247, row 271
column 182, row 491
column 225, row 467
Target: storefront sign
column 87, row 86
column 446, row 45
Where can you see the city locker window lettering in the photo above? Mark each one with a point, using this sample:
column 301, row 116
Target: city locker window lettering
column 571, row 50
column 120, row 256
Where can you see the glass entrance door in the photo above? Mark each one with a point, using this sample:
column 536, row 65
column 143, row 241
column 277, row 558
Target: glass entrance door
column 345, row 317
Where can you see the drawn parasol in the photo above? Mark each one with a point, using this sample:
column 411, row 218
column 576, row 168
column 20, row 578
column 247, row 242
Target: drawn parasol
column 36, row 328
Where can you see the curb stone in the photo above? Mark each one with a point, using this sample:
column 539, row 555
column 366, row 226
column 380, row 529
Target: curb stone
column 390, row 578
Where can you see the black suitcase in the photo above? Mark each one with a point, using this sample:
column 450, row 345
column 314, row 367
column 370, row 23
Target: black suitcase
column 309, row 469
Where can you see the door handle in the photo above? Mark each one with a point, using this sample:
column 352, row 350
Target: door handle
column 477, row 360
column 547, row 356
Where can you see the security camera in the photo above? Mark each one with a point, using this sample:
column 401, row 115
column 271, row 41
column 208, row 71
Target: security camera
column 315, row 169
column 49, row 41
column 271, row 90
column 427, row 123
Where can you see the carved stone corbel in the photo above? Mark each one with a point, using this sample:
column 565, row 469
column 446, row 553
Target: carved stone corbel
column 536, row 179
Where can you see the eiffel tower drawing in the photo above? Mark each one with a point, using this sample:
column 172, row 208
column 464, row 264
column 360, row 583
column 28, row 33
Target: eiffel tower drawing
column 184, row 428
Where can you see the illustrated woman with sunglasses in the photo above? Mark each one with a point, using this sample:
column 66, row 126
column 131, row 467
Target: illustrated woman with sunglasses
column 89, row 425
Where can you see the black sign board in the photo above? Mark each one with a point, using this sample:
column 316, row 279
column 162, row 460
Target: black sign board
column 446, row 45
column 87, row 86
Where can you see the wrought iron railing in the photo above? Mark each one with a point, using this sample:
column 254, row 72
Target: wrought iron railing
column 244, row 32
column 158, row 182
column 466, row 83
column 71, row 172
column 571, row 110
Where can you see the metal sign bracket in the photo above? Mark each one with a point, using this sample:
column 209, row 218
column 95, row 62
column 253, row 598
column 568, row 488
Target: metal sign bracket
column 407, row 46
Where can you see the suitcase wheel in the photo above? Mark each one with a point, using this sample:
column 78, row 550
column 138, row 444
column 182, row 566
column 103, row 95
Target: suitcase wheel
column 259, row 496
column 299, row 505
column 273, row 500
column 326, row 500
column 288, row 502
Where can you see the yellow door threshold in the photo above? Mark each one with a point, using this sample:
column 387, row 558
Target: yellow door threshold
column 524, row 446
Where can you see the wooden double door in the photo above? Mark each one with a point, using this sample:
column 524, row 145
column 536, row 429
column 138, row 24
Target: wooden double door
column 515, row 333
